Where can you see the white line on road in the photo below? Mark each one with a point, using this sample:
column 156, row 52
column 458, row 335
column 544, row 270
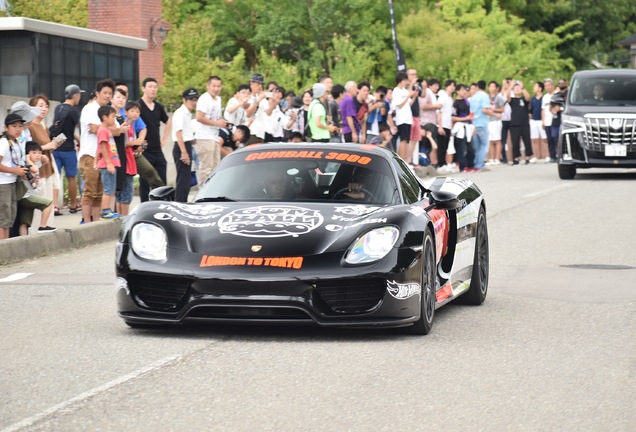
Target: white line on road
column 549, row 190
column 90, row 393
column 15, row 276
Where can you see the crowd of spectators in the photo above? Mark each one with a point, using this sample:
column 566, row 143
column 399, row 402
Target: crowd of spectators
column 454, row 127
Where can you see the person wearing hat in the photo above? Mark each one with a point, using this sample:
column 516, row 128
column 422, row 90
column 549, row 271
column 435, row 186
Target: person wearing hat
column 10, row 169
column 258, row 109
column 183, row 138
column 66, row 118
column 321, row 130
column 28, row 114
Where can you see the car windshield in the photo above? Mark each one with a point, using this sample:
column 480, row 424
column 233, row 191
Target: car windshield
column 245, row 177
column 603, row 91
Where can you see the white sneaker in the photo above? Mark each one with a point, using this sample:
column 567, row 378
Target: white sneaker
column 452, row 168
column 547, row 160
column 443, row 170
column 496, row 162
column 533, row 159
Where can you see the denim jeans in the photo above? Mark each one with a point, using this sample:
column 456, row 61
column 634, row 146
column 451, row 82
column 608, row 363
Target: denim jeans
column 480, row 140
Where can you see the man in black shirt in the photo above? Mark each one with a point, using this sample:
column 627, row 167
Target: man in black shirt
column 67, row 116
column 153, row 113
column 519, row 101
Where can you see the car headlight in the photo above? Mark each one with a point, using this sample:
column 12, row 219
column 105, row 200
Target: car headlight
column 149, row 241
column 372, row 246
column 573, row 120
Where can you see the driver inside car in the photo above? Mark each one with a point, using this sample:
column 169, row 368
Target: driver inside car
column 277, row 186
column 357, row 188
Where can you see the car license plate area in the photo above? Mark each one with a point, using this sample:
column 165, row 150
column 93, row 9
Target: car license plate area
column 616, row 150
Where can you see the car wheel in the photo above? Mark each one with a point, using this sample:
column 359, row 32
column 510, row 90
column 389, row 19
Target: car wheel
column 425, row 323
column 567, row 172
column 478, row 289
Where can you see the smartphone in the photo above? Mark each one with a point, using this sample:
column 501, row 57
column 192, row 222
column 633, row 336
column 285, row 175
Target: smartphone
column 269, row 94
column 60, row 139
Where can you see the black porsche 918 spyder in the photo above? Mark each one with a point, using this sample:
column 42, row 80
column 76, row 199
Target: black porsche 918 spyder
column 332, row 234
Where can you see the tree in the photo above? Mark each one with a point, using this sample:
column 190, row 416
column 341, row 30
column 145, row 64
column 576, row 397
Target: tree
column 69, row 12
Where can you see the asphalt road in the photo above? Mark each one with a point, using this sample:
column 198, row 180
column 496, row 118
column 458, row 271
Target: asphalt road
column 552, row 348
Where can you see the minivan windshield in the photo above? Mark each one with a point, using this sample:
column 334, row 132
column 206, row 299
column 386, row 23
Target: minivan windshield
column 601, row 91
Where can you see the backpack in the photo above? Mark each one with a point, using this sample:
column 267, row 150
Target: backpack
column 56, row 128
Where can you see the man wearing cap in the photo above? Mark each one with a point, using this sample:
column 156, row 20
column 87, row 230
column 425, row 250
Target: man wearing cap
column 258, row 108
column 183, row 138
column 317, row 116
column 10, row 169
column 209, row 119
column 66, row 118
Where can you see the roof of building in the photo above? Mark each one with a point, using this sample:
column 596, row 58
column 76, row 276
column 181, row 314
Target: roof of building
column 37, row 26
column 628, row 41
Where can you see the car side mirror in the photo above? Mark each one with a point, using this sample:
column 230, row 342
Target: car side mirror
column 162, row 193
column 444, row 200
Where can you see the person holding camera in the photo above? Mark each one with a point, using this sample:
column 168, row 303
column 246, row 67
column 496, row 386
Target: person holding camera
column 33, row 195
column 10, row 169
column 377, row 114
column 50, row 180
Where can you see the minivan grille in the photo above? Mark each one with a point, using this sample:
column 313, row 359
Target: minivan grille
column 603, row 129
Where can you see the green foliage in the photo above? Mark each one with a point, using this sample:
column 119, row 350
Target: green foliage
column 461, row 40
column 69, row 12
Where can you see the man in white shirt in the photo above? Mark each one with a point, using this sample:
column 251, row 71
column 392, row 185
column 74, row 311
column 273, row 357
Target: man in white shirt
column 403, row 97
column 235, row 110
column 183, row 138
column 445, row 99
column 210, row 118
column 89, row 123
column 259, row 109
column 546, row 118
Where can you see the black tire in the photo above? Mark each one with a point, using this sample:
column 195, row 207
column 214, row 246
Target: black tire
column 427, row 312
column 478, row 289
column 567, row 172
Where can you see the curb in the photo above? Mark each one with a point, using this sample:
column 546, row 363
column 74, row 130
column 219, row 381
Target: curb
column 34, row 246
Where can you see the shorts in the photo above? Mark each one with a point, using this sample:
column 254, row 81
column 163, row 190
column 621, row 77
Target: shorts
column 536, row 130
column 29, row 204
column 93, row 190
column 404, row 132
column 8, row 206
column 125, row 195
column 66, row 160
column 416, row 130
column 494, row 130
column 109, row 181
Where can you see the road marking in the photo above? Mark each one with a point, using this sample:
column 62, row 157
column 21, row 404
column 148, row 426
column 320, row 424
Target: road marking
column 90, row 393
column 546, row 191
column 16, row 276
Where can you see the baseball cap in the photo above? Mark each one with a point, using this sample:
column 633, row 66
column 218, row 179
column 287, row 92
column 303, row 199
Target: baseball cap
column 72, row 89
column 191, row 94
column 12, row 118
column 319, row 90
column 257, row 78
column 25, row 111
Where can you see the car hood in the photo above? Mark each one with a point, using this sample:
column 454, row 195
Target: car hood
column 273, row 229
column 581, row 110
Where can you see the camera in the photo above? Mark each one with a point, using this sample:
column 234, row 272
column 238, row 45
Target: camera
column 229, row 125
column 29, row 175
